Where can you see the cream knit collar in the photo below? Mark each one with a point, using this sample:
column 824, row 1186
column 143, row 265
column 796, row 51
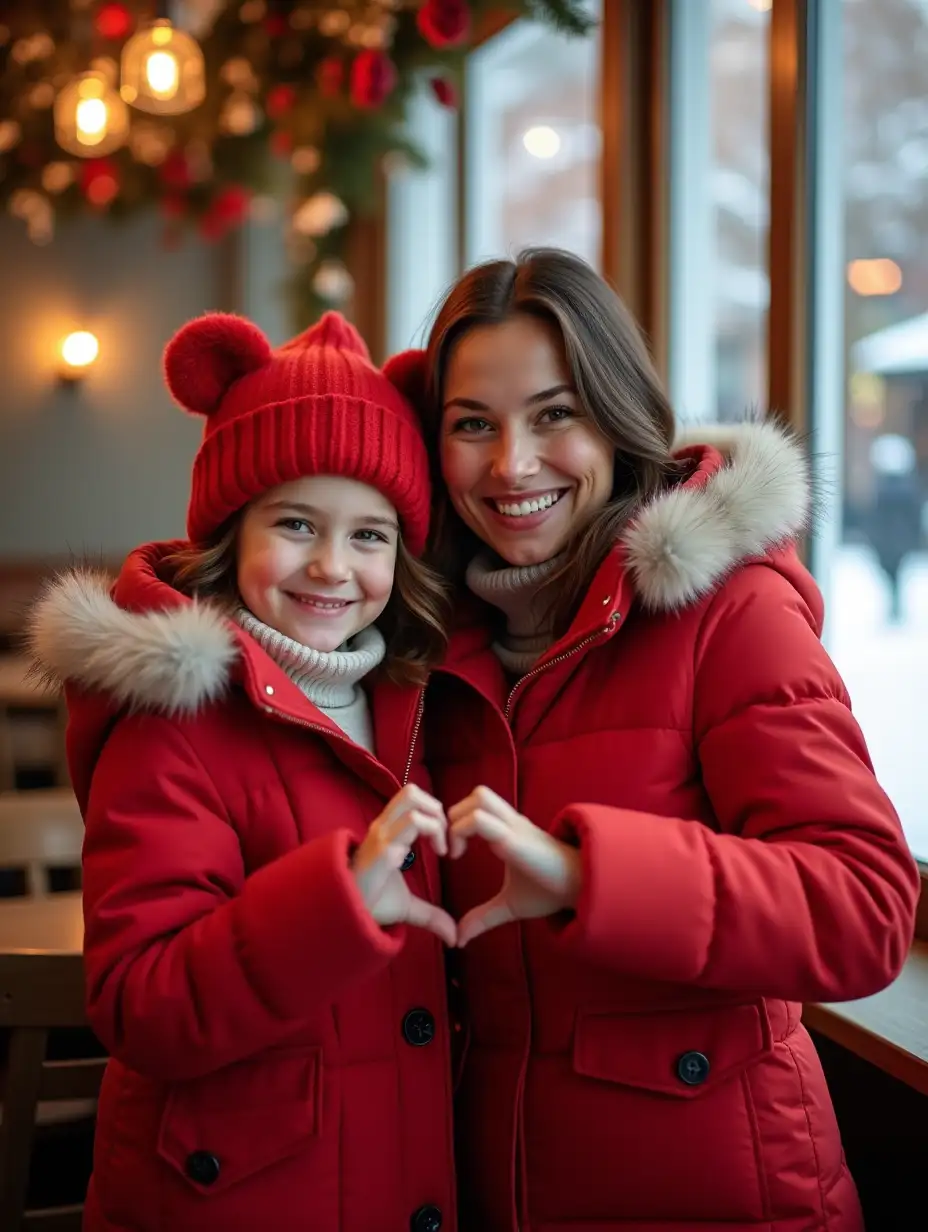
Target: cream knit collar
column 515, row 590
column 329, row 679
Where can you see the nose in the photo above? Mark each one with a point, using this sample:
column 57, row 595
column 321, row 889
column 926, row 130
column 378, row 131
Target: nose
column 329, row 563
column 515, row 458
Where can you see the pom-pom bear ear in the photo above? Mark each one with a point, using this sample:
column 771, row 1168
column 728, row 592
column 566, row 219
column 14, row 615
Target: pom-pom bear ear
column 406, row 370
column 207, row 355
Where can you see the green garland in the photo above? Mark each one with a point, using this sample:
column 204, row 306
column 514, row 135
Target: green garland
column 302, row 93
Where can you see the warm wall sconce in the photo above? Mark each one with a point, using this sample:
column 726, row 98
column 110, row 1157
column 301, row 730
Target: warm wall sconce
column 78, row 352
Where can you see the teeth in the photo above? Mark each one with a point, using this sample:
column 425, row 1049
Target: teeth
column 523, row 508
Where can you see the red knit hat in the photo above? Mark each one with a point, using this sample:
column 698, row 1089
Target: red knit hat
column 316, row 406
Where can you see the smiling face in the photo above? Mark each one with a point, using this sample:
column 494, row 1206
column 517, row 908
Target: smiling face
column 524, row 465
column 316, row 559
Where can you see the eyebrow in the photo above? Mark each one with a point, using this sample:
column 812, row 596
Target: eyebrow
column 313, row 512
column 471, row 404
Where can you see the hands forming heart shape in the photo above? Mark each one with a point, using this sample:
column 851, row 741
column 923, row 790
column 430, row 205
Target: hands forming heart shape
column 541, row 875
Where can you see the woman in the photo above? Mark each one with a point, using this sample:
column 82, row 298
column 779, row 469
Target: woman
column 667, row 830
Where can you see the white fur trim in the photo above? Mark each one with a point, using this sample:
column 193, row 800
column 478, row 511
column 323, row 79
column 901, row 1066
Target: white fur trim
column 175, row 660
column 685, row 541
column 680, row 546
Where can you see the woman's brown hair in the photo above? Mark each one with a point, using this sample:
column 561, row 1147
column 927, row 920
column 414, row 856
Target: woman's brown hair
column 615, row 381
column 414, row 622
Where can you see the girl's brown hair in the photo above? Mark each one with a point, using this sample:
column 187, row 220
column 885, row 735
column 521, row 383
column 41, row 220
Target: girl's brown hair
column 414, row 622
column 614, row 378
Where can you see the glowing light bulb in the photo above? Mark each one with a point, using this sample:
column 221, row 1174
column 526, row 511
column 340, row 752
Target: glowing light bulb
column 541, row 141
column 90, row 118
column 162, row 75
column 80, row 349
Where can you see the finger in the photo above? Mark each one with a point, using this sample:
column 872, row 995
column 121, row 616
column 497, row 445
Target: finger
column 457, row 843
column 426, row 915
column 424, row 801
column 406, row 830
column 483, row 823
column 467, row 805
column 411, row 797
column 488, row 800
column 481, row 919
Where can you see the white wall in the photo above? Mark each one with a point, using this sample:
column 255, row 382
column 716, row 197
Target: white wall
column 97, row 469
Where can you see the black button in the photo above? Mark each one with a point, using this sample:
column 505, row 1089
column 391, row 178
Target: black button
column 408, row 862
column 203, row 1168
column 693, row 1068
column 426, row 1219
column 418, row 1030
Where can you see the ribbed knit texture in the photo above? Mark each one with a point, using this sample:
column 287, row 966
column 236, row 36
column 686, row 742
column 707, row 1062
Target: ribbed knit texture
column 316, row 406
column 331, row 681
column 515, row 591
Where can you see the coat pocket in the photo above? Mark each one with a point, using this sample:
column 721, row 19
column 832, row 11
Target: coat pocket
column 218, row 1130
column 684, row 1054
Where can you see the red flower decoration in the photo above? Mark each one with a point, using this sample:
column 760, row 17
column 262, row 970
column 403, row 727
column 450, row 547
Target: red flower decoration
column 444, row 23
column 275, row 26
column 99, row 182
column 175, row 171
column 444, row 91
column 373, row 76
column 113, row 21
column 173, row 206
column 230, row 205
column 281, row 143
column 330, row 76
column 280, row 101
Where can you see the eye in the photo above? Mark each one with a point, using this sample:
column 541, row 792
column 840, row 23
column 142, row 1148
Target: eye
column 371, row 536
column 473, row 424
column 297, row 525
column 557, row 414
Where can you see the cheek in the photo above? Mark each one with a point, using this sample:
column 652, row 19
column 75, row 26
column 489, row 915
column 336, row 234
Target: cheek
column 459, row 468
column 261, row 566
column 586, row 457
column 378, row 579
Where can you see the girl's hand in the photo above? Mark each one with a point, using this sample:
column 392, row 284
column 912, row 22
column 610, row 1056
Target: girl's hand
column 376, row 864
column 542, row 875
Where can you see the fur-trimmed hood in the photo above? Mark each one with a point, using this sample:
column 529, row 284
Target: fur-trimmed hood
column 143, row 645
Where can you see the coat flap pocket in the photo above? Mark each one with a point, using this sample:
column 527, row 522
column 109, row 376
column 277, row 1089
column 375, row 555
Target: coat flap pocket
column 681, row 1053
column 221, row 1128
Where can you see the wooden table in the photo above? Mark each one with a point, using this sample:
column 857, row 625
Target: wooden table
column 41, row 926
column 889, row 1029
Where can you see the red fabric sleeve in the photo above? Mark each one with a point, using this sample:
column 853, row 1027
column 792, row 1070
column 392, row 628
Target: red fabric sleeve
column 191, row 966
column 808, row 891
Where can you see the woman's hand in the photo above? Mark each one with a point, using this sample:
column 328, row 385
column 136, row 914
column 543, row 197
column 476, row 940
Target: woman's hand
column 411, row 814
column 542, row 875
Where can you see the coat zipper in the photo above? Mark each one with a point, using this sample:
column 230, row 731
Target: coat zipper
column 327, row 731
column 535, row 671
column 519, row 1195
column 420, row 710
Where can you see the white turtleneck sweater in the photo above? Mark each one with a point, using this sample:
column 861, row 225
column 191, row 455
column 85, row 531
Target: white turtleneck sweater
column 331, row 680
column 515, row 591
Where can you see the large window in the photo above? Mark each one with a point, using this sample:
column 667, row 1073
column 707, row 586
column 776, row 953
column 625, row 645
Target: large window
column 720, row 161
column 864, row 284
column 878, row 591
column 533, row 144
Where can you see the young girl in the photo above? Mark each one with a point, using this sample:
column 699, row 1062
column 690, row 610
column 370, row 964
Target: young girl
column 677, row 838
column 263, row 949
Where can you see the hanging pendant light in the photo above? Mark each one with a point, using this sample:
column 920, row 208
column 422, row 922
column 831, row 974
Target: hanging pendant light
column 91, row 120
column 162, row 70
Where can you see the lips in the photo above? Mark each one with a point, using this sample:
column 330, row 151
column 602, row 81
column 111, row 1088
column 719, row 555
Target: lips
column 528, row 504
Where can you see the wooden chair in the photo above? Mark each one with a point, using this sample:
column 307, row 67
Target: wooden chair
column 40, row 831
column 38, row 993
column 32, row 726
